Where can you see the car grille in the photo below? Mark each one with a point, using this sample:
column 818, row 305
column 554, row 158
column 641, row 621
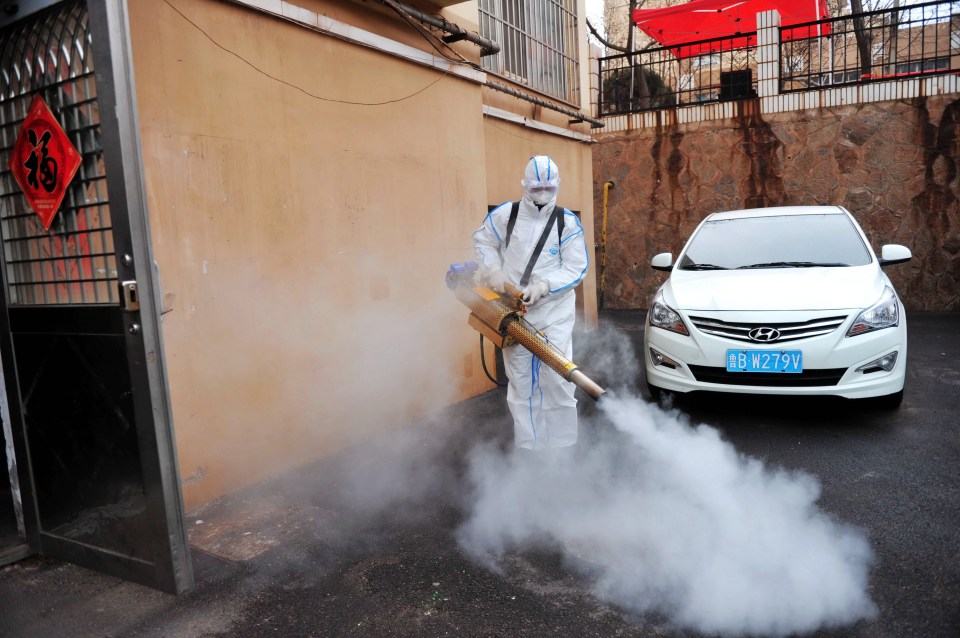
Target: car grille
column 807, row 378
column 788, row 331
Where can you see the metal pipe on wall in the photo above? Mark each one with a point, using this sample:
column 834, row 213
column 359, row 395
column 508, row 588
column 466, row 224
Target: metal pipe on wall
column 457, row 33
column 576, row 115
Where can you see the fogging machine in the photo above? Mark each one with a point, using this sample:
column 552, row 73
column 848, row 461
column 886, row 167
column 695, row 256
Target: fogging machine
column 499, row 318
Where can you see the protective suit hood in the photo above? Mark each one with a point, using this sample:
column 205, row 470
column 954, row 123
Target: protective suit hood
column 541, row 180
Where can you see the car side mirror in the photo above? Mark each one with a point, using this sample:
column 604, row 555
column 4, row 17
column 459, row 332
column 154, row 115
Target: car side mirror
column 663, row 261
column 894, row 254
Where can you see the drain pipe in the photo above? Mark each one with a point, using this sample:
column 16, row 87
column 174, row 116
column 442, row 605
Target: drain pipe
column 457, row 33
column 603, row 240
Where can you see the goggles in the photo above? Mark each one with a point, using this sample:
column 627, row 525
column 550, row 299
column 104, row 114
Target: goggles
column 543, row 188
column 549, row 186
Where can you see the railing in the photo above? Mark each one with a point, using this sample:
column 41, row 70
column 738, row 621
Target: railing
column 713, row 70
column 916, row 40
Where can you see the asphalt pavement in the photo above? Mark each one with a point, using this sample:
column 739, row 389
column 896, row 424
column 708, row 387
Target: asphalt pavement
column 377, row 541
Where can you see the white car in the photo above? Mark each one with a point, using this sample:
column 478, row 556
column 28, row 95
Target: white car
column 787, row 301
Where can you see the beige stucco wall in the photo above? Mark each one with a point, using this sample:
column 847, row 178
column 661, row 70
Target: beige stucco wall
column 302, row 242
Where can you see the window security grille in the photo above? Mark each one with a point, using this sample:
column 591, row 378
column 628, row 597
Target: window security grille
column 74, row 261
column 538, row 44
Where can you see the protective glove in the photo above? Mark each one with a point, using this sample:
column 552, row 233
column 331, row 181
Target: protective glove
column 534, row 292
column 496, row 279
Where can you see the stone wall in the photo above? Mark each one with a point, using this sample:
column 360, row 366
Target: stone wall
column 893, row 164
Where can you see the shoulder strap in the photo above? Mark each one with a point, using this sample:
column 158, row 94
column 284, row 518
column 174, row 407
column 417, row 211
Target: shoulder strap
column 555, row 218
column 514, row 209
column 563, row 211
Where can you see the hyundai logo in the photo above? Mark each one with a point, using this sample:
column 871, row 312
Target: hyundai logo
column 764, row 334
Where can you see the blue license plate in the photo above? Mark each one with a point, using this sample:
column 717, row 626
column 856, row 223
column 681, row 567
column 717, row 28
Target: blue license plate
column 783, row 361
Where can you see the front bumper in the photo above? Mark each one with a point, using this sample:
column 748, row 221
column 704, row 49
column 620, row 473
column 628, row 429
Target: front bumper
column 830, row 363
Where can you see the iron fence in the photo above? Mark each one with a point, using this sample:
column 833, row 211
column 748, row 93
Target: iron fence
column 878, row 45
column 909, row 41
column 710, row 71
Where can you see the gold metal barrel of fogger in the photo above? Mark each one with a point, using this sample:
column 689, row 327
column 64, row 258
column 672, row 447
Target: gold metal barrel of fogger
column 497, row 318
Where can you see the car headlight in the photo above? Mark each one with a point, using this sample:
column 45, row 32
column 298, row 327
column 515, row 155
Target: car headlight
column 663, row 316
column 883, row 314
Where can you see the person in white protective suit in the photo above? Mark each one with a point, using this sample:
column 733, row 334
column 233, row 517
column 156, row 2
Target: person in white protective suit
column 541, row 402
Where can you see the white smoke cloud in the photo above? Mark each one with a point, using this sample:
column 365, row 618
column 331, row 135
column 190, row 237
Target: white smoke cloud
column 676, row 521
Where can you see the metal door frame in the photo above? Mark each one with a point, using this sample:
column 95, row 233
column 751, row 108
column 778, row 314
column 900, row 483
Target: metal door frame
column 108, row 22
column 20, row 550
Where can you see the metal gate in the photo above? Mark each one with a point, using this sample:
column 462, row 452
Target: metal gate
column 79, row 332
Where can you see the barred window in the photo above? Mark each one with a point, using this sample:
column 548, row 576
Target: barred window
column 704, row 61
column 538, row 44
column 74, row 260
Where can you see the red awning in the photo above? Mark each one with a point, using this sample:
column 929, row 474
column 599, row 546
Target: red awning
column 706, row 19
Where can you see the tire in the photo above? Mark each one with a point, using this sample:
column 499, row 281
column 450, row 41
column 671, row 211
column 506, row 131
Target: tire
column 889, row 401
column 657, row 395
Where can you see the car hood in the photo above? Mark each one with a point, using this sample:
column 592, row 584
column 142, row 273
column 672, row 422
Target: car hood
column 776, row 288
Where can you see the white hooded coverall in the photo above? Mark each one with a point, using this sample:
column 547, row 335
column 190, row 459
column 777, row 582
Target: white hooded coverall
column 541, row 402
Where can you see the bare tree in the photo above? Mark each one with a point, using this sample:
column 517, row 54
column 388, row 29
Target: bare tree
column 637, row 83
column 863, row 37
column 893, row 39
column 636, row 73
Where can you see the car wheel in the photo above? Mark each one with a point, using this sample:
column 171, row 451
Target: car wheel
column 657, row 395
column 889, row 401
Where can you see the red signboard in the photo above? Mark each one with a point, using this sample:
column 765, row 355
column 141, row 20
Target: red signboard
column 43, row 161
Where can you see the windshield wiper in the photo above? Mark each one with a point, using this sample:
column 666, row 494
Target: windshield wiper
column 703, row 267
column 793, row 264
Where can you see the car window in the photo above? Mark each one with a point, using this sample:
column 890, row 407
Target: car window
column 783, row 241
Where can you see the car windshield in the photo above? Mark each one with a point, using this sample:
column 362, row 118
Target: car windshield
column 782, row 241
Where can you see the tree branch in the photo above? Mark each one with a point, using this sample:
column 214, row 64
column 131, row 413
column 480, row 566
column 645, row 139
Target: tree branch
column 609, row 45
